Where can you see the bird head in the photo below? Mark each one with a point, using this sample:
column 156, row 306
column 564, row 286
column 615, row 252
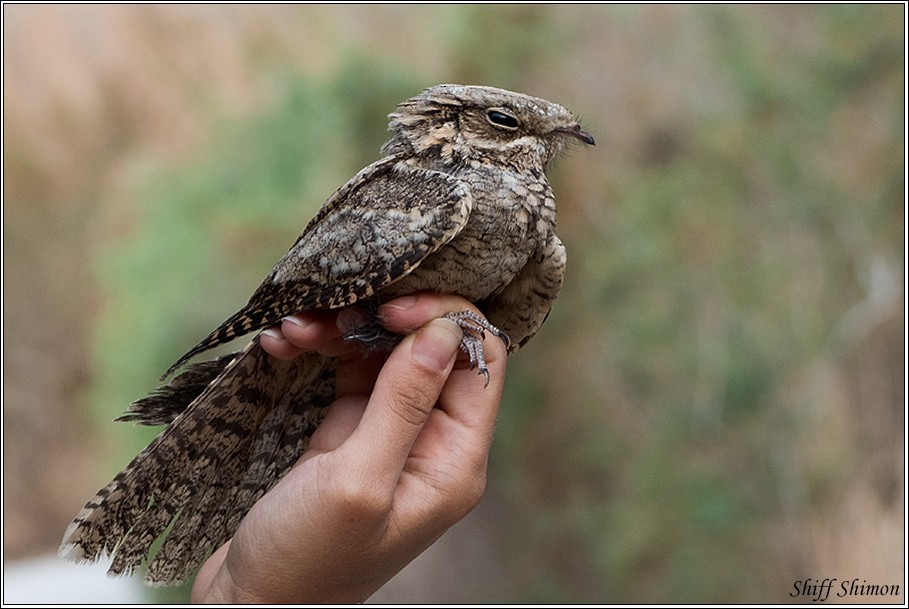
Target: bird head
column 473, row 124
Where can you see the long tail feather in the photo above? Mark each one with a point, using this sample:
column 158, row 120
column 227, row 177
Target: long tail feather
column 199, row 477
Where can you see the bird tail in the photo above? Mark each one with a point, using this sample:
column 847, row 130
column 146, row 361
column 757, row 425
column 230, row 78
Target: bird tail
column 237, row 425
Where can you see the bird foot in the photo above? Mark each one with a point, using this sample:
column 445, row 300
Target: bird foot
column 474, row 327
column 375, row 338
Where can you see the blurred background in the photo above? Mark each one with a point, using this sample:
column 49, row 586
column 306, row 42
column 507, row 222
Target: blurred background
column 713, row 411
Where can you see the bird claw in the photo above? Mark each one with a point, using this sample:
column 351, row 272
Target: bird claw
column 474, row 327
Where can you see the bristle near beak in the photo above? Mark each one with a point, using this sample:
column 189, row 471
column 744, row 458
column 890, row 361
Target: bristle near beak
column 576, row 131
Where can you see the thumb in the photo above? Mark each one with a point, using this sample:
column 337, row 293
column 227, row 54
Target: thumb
column 405, row 393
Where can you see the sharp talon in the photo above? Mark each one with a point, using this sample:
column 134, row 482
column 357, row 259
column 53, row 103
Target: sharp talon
column 505, row 339
column 474, row 327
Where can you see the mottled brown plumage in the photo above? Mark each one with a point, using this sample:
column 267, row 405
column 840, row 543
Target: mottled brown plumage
column 459, row 204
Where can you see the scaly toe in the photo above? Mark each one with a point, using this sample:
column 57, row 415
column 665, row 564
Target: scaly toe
column 474, row 327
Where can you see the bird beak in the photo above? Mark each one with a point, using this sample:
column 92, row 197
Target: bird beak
column 576, row 131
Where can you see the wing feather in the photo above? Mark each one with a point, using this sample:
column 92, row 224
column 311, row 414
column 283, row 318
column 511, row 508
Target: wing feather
column 378, row 228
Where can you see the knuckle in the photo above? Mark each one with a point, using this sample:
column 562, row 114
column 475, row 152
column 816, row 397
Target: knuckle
column 411, row 403
column 462, row 496
column 471, row 493
column 361, row 499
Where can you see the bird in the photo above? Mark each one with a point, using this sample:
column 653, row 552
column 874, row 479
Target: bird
column 457, row 203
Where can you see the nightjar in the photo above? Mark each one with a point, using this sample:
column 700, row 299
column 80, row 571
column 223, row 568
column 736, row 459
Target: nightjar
column 458, row 203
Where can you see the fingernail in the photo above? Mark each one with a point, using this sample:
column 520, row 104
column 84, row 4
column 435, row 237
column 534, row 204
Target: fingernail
column 436, row 343
column 273, row 333
column 297, row 321
column 401, row 304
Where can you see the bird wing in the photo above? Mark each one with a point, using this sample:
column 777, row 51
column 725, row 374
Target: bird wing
column 373, row 231
column 522, row 307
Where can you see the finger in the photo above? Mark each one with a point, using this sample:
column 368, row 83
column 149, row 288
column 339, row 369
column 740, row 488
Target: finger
column 406, row 391
column 451, row 454
column 340, row 420
column 356, row 375
column 324, row 331
column 404, row 314
column 299, row 333
column 466, row 398
column 310, row 330
column 207, row 575
column 410, row 312
column 470, row 410
column 275, row 344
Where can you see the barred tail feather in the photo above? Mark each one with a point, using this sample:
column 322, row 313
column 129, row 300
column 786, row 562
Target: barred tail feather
column 232, row 490
column 204, row 472
column 163, row 404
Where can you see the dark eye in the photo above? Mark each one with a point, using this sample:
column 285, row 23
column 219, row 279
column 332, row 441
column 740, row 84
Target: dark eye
column 502, row 118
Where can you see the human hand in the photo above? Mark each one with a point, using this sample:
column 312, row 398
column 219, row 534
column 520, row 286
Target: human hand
column 400, row 457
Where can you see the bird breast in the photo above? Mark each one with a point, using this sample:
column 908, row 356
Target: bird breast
column 508, row 222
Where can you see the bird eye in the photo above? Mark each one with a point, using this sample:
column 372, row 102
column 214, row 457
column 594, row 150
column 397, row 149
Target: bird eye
column 502, row 118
